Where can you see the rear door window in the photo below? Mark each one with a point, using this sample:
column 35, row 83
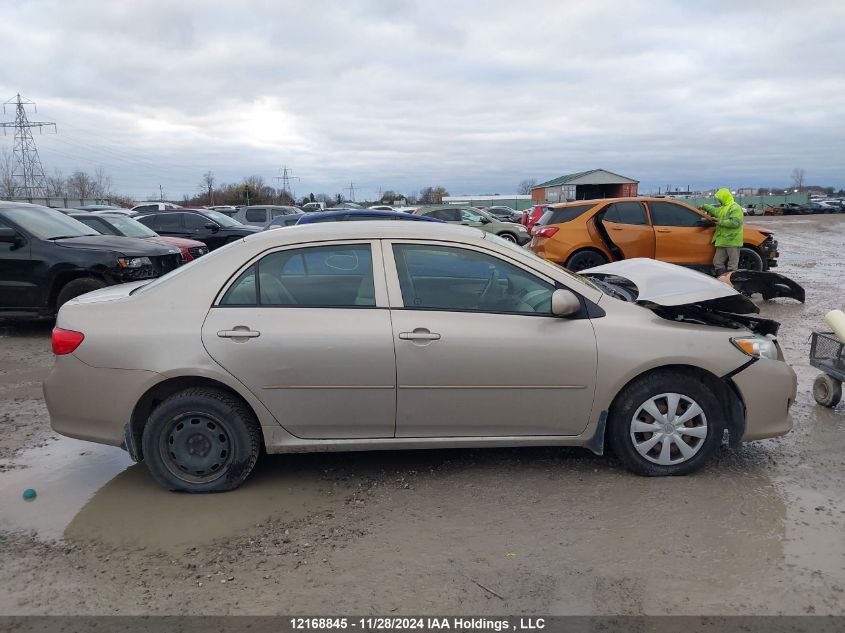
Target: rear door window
column 168, row 222
column 669, row 214
column 337, row 276
column 626, row 213
column 255, row 215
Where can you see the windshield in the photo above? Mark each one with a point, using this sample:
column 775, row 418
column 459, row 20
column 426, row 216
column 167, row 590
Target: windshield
column 518, row 249
column 47, row 224
column 128, row 226
column 221, row 218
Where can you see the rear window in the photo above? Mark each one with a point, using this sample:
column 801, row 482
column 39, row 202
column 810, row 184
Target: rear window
column 564, row 214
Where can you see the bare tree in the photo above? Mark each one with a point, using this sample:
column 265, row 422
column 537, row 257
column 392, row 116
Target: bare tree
column 524, row 188
column 8, row 186
column 798, row 178
column 56, row 187
column 101, row 184
column 432, row 195
column 80, row 185
column 207, row 183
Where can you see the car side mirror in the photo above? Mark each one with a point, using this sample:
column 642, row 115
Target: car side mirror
column 565, row 303
column 211, row 225
column 9, row 235
column 486, row 220
column 704, row 222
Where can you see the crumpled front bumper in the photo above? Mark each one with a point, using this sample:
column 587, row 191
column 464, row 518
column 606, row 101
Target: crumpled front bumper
column 767, row 388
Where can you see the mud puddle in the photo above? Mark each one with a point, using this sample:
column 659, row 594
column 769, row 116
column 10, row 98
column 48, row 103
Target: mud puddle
column 90, row 492
column 65, row 474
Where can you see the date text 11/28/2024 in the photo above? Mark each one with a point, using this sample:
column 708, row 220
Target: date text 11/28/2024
column 375, row 623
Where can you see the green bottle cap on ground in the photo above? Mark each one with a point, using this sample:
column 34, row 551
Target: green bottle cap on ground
column 29, row 494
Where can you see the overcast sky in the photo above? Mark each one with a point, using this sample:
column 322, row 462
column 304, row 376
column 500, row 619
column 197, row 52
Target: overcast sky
column 474, row 96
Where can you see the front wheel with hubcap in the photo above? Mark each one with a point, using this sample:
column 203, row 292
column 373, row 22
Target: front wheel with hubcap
column 201, row 440
column 510, row 237
column 665, row 423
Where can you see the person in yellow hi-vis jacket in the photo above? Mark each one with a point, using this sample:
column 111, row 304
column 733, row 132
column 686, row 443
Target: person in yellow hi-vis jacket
column 727, row 238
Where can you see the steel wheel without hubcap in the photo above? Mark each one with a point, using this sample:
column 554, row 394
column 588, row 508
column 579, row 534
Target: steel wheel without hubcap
column 196, row 447
column 668, row 429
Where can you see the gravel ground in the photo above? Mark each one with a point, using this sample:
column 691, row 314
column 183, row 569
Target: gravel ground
column 760, row 531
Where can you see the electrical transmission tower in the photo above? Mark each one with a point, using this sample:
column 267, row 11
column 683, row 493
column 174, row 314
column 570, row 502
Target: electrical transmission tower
column 27, row 169
column 286, row 177
column 351, row 192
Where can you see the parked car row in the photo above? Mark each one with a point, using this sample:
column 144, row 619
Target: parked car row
column 48, row 258
column 807, row 208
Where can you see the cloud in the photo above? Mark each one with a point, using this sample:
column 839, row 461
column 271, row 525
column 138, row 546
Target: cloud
column 406, row 94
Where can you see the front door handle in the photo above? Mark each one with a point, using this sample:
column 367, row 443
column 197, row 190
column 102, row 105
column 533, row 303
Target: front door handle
column 663, row 231
column 240, row 331
column 419, row 335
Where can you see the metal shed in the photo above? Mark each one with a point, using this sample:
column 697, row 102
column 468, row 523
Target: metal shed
column 585, row 185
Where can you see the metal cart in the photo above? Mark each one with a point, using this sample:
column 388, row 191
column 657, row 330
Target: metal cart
column 827, row 353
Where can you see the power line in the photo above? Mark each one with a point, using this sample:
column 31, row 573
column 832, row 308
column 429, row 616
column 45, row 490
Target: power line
column 286, row 177
column 27, row 169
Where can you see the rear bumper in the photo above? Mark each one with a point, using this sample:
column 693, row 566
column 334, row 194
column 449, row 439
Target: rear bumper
column 88, row 403
column 768, row 389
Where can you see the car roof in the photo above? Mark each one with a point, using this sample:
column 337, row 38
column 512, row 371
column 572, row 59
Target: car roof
column 378, row 229
column 4, row 204
column 378, row 213
column 595, row 201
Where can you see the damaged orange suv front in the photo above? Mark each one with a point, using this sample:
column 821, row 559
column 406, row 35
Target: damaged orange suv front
column 581, row 235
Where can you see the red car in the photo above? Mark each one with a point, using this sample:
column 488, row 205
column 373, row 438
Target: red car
column 531, row 216
column 120, row 224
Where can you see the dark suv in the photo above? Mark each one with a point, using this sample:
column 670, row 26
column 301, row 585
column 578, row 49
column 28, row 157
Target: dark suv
column 212, row 228
column 48, row 258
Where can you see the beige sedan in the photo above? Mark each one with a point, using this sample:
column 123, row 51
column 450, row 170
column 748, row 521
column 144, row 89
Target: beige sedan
column 400, row 335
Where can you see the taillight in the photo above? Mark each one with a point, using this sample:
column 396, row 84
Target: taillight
column 65, row 341
column 544, row 231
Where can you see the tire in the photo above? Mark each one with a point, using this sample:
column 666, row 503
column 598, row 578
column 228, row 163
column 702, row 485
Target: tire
column 750, row 259
column 827, row 390
column 77, row 287
column 510, row 237
column 201, row 440
column 651, row 459
column 585, row 259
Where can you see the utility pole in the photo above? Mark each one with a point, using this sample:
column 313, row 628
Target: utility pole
column 286, row 177
column 161, row 193
column 27, row 168
column 351, row 192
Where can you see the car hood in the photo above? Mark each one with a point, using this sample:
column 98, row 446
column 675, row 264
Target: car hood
column 662, row 284
column 180, row 242
column 244, row 228
column 131, row 246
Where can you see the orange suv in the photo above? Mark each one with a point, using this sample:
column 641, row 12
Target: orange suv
column 584, row 234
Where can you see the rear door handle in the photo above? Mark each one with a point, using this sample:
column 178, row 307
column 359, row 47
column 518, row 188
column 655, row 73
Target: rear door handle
column 238, row 332
column 663, row 231
column 419, row 335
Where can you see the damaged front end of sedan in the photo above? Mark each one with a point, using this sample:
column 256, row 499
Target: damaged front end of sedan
column 680, row 294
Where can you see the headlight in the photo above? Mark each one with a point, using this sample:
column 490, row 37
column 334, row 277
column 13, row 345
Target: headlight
column 756, row 346
column 133, row 262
